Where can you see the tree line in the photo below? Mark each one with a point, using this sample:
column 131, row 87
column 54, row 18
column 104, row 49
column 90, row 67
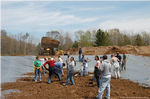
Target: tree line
column 20, row 44
column 110, row 37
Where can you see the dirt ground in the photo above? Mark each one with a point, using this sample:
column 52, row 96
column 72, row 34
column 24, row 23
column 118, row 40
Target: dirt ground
column 83, row 89
column 129, row 49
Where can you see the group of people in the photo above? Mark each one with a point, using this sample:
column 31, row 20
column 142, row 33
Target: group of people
column 102, row 69
column 54, row 67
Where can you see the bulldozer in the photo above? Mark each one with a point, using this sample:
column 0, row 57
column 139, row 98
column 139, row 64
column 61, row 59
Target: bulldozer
column 48, row 46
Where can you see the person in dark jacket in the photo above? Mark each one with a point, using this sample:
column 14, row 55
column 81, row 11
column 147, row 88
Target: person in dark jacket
column 80, row 54
column 97, row 70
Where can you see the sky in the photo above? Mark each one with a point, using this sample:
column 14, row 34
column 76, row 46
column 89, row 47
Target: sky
column 39, row 17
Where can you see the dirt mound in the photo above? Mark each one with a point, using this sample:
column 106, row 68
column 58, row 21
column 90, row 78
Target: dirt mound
column 114, row 49
column 138, row 50
column 47, row 42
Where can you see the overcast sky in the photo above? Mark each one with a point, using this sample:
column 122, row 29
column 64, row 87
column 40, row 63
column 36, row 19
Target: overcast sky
column 38, row 17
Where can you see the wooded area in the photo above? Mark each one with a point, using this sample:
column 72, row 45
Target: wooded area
column 20, row 44
column 110, row 37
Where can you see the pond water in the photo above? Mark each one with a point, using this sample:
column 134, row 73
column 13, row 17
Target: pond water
column 12, row 67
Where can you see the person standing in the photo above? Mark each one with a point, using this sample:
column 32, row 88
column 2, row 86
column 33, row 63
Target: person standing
column 37, row 66
column 85, row 73
column 82, row 65
column 97, row 71
column 52, row 69
column 71, row 71
column 114, row 62
column 124, row 61
column 61, row 61
column 119, row 57
column 105, row 69
column 42, row 62
column 80, row 53
column 67, row 60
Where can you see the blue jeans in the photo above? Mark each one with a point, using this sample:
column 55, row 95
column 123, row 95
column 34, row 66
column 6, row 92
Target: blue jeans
column 79, row 57
column 43, row 70
column 37, row 72
column 85, row 71
column 93, row 79
column 120, row 66
column 55, row 71
column 70, row 77
column 105, row 83
column 97, row 76
column 62, row 71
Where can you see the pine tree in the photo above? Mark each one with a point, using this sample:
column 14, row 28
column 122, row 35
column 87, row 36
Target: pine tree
column 102, row 38
column 138, row 40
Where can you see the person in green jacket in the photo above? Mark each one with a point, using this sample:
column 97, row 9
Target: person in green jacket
column 37, row 66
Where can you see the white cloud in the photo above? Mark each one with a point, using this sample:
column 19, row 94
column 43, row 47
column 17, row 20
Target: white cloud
column 101, row 8
column 131, row 25
column 36, row 15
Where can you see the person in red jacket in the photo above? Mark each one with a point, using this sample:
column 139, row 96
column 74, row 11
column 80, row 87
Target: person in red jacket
column 52, row 69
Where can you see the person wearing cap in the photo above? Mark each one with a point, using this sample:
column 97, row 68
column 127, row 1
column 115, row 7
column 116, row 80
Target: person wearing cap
column 105, row 69
column 52, row 69
column 37, row 66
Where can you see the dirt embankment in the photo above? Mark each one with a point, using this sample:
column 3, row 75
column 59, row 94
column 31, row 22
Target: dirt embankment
column 137, row 50
column 83, row 89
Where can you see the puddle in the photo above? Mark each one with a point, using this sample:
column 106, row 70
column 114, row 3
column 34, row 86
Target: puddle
column 6, row 92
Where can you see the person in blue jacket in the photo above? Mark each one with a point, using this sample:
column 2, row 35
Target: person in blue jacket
column 59, row 66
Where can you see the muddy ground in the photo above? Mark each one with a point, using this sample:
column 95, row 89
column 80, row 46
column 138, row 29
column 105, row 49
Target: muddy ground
column 83, row 89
